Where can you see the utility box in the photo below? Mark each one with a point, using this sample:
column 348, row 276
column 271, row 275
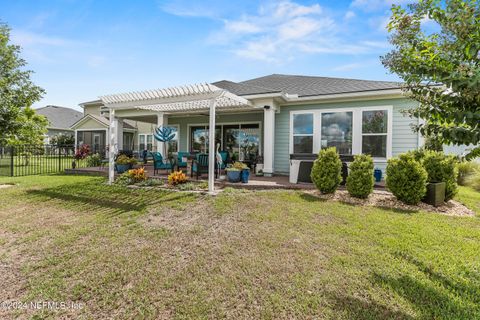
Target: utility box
column 435, row 195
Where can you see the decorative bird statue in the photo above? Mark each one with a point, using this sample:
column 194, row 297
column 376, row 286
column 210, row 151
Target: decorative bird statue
column 219, row 160
column 164, row 134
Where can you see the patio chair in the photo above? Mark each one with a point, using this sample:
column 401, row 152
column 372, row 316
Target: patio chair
column 200, row 165
column 180, row 157
column 159, row 164
column 225, row 159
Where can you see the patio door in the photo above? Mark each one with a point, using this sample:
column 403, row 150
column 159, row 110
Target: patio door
column 97, row 138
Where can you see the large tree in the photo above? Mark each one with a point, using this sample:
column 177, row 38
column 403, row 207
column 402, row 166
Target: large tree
column 436, row 52
column 17, row 94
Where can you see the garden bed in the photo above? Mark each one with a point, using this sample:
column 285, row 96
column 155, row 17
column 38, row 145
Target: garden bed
column 385, row 199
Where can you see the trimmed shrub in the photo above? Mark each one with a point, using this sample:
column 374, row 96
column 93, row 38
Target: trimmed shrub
column 467, row 169
column 327, row 171
column 406, row 179
column 94, row 160
column 442, row 168
column 360, row 177
column 474, row 181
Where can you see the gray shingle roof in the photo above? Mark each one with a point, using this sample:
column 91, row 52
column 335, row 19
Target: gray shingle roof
column 60, row 117
column 304, row 85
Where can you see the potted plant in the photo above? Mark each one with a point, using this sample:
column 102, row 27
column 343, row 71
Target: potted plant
column 124, row 163
column 233, row 174
column 244, row 171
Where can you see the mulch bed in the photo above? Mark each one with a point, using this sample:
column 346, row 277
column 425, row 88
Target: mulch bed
column 385, row 199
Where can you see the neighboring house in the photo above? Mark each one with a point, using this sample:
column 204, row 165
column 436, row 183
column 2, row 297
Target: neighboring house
column 92, row 129
column 285, row 114
column 60, row 120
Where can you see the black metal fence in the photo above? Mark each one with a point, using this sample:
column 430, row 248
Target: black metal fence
column 23, row 160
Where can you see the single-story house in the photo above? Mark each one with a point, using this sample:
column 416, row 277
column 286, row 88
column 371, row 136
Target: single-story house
column 271, row 116
column 60, row 120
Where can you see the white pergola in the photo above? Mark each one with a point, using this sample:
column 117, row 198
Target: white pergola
column 180, row 99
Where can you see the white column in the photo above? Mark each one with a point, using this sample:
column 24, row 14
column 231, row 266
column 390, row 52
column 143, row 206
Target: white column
column 119, row 133
column 211, row 148
column 161, row 121
column 269, row 140
column 112, row 141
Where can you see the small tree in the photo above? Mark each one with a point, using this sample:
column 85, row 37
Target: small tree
column 327, row 171
column 406, row 178
column 63, row 139
column 425, row 58
column 360, row 178
column 17, row 94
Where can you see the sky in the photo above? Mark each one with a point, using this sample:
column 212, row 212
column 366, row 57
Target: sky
column 80, row 50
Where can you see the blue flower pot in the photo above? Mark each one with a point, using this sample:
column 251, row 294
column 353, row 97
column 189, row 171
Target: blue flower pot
column 121, row 168
column 233, row 176
column 377, row 173
column 245, row 175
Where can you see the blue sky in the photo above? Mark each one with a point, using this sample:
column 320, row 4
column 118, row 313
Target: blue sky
column 82, row 49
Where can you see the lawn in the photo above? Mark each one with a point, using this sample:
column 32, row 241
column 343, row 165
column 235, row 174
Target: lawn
column 131, row 253
column 37, row 164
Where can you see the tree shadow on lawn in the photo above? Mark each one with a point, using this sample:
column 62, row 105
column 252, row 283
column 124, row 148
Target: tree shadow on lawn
column 356, row 308
column 436, row 296
column 109, row 200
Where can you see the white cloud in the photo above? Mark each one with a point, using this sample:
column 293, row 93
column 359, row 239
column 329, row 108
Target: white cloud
column 26, row 39
column 282, row 30
column 349, row 15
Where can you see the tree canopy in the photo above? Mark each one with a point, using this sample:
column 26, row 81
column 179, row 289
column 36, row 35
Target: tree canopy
column 436, row 52
column 17, row 94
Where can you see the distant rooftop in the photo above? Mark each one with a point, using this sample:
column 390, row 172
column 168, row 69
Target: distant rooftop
column 60, row 117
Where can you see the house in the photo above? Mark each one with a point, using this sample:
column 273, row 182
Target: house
column 271, row 116
column 60, row 120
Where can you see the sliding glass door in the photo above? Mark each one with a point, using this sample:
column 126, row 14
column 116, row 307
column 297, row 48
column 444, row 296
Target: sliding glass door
column 242, row 141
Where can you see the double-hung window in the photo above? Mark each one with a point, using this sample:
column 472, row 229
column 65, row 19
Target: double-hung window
column 302, row 132
column 375, row 133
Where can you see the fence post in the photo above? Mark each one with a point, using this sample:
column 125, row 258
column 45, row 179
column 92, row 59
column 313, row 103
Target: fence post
column 59, row 159
column 12, row 150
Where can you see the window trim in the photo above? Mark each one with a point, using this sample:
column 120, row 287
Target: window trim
column 293, row 135
column 357, row 127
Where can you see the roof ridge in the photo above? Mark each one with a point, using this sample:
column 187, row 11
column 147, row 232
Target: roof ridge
column 318, row 77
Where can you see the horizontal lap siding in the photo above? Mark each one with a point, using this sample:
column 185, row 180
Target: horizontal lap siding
column 403, row 138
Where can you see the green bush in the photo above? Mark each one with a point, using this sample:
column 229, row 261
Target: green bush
column 442, row 168
column 360, row 177
column 406, row 178
column 467, row 169
column 327, row 171
column 474, row 181
column 94, row 160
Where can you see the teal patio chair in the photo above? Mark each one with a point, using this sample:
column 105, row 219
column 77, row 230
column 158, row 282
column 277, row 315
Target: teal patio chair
column 200, row 165
column 180, row 157
column 158, row 163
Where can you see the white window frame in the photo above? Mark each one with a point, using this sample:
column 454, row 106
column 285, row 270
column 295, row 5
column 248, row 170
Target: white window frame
column 357, row 126
column 293, row 135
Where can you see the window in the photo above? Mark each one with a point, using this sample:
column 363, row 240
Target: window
column 374, row 133
column 337, row 131
column 354, row 130
column 199, row 138
column 303, row 133
column 173, row 144
column 145, row 142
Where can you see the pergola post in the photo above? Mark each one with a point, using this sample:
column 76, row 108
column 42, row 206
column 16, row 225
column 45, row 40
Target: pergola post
column 111, row 147
column 211, row 147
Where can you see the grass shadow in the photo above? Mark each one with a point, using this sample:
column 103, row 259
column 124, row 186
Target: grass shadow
column 356, row 308
column 435, row 296
column 311, row 198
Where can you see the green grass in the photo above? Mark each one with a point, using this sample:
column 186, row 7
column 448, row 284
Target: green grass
column 130, row 253
column 469, row 197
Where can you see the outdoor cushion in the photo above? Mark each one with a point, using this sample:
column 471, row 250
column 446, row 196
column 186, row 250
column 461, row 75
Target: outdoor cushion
column 182, row 159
